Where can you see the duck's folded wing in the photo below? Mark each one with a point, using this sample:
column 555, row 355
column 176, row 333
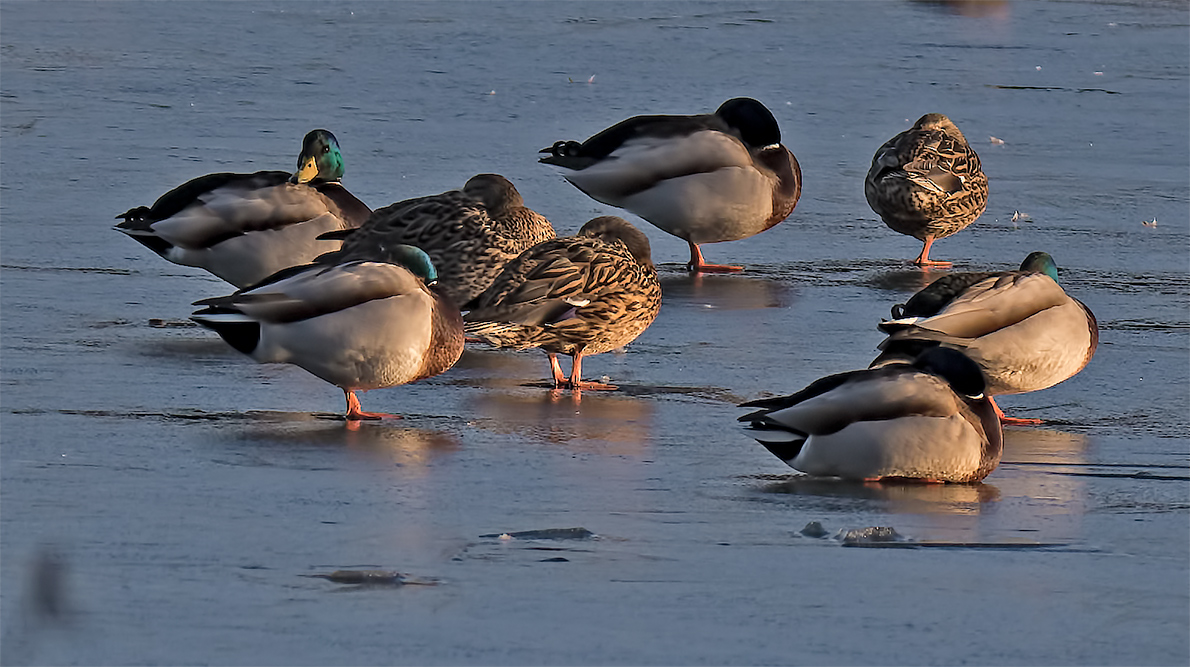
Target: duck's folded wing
column 187, row 193
column 613, row 138
column 937, row 295
column 235, row 209
column 987, row 306
column 644, row 161
column 319, row 290
column 876, row 395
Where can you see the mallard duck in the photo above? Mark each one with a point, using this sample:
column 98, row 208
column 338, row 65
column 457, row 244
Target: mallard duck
column 709, row 178
column 358, row 325
column 470, row 234
column 1021, row 327
column 578, row 295
column 926, row 420
column 244, row 227
column 926, row 182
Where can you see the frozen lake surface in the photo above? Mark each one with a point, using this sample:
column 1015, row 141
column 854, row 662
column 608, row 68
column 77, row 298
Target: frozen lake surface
column 164, row 499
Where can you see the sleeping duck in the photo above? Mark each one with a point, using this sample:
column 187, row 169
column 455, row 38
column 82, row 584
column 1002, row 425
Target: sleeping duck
column 245, row 227
column 358, row 325
column 469, row 234
column 926, row 182
column 1020, row 327
column 928, row 420
column 578, row 295
column 708, row 178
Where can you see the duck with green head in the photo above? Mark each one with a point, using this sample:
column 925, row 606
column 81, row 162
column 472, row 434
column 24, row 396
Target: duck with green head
column 1019, row 326
column 245, row 227
column 358, row 325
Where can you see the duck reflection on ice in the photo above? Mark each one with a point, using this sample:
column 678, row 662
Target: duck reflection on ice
column 407, row 446
column 901, row 497
column 726, row 292
column 909, row 281
column 598, row 421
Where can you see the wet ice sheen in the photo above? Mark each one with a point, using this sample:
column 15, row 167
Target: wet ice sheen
column 187, row 492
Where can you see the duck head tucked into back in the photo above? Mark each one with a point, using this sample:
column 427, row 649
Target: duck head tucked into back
column 928, row 420
column 927, row 182
column 1019, row 326
column 578, row 295
column 470, row 234
column 705, row 178
column 358, row 325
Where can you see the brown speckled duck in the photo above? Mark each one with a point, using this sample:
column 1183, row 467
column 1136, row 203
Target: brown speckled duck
column 708, row 178
column 469, row 234
column 925, row 420
column 578, row 295
column 358, row 325
column 1020, row 327
column 926, row 182
column 245, row 227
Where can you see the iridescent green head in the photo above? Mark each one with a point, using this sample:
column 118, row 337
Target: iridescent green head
column 1040, row 262
column 414, row 259
column 320, row 160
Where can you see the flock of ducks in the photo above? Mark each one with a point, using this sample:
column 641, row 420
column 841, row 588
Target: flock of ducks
column 369, row 299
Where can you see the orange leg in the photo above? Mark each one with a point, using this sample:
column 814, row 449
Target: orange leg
column 924, row 258
column 576, row 377
column 698, row 265
column 1013, row 421
column 556, row 370
column 354, row 413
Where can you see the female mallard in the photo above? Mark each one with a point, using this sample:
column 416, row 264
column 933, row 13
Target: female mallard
column 244, row 227
column 1022, row 329
column 578, row 295
column 927, row 420
column 926, row 182
column 469, row 234
column 709, row 178
column 357, row 325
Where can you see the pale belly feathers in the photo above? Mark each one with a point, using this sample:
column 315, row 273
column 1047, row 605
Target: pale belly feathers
column 381, row 343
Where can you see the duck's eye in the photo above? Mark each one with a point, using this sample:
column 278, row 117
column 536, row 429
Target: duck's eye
column 326, row 149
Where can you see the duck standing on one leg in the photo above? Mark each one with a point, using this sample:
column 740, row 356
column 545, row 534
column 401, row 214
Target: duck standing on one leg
column 924, row 421
column 1020, row 327
column 926, row 182
column 706, row 179
column 358, row 325
column 469, row 234
column 245, row 227
column 578, row 295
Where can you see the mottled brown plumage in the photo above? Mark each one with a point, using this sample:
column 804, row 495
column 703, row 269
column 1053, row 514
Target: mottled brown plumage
column 927, row 183
column 578, row 295
column 469, row 234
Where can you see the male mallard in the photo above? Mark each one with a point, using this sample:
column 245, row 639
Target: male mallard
column 244, row 227
column 1022, row 329
column 358, row 325
column 577, row 295
column 469, row 234
column 928, row 420
column 709, row 178
column 926, row 182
